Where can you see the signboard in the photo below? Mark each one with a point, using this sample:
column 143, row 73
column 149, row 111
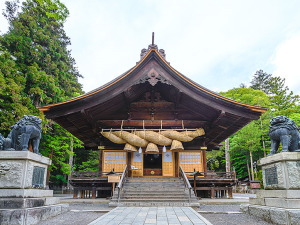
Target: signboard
column 255, row 185
column 271, row 176
column 113, row 178
column 38, row 177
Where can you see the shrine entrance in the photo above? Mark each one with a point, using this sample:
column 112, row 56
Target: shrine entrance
column 152, row 164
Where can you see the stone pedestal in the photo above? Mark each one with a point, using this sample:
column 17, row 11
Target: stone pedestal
column 279, row 203
column 23, row 170
column 23, row 195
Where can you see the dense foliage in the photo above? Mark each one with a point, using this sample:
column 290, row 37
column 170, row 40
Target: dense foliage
column 36, row 68
column 252, row 142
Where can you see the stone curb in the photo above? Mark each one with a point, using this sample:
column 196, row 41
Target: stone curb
column 90, row 210
column 213, row 212
column 31, row 215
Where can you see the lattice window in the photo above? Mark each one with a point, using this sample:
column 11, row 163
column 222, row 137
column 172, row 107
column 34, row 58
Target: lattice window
column 190, row 157
column 191, row 161
column 115, row 157
column 114, row 160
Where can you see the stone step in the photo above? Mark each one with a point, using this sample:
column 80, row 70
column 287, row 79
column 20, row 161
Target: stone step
column 153, row 187
column 154, row 194
column 153, row 178
column 150, row 204
column 155, row 200
column 156, row 184
column 154, row 191
column 153, row 197
column 153, row 182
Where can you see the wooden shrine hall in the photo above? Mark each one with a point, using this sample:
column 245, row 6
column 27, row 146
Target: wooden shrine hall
column 152, row 121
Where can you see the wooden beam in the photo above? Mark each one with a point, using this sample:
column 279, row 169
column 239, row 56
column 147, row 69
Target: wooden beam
column 152, row 123
column 224, row 131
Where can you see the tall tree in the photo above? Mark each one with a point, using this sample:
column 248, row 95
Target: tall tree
column 13, row 102
column 280, row 96
column 261, row 81
column 37, row 40
column 36, row 68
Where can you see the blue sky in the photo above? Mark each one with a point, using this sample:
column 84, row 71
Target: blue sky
column 218, row 44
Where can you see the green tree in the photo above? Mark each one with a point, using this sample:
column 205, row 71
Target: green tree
column 13, row 102
column 36, row 68
column 91, row 164
column 281, row 97
column 261, row 81
column 215, row 160
column 246, row 145
column 37, row 40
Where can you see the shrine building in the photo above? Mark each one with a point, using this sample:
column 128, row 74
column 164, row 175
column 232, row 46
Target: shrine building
column 152, row 119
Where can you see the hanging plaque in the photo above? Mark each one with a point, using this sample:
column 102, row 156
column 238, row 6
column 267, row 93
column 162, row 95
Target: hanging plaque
column 168, row 157
column 137, row 157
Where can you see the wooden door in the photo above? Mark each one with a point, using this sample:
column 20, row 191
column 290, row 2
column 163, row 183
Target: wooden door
column 137, row 164
column 168, row 164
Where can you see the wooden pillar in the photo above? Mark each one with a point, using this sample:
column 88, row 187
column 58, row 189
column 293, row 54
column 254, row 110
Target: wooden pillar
column 100, row 162
column 204, row 158
column 130, row 171
column 212, row 192
column 93, row 193
column 227, row 156
column 75, row 193
column 176, row 163
column 230, row 192
column 195, row 185
column 71, row 157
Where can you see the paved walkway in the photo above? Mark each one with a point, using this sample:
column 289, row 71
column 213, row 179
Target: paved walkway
column 151, row 215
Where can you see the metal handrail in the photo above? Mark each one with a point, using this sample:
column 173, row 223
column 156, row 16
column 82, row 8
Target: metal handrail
column 121, row 182
column 186, row 182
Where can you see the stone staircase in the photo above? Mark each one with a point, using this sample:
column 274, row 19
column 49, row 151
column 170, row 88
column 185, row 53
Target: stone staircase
column 154, row 191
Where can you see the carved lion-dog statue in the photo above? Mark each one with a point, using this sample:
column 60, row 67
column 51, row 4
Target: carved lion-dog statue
column 26, row 131
column 284, row 130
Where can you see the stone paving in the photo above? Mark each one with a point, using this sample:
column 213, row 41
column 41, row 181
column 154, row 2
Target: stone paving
column 151, row 215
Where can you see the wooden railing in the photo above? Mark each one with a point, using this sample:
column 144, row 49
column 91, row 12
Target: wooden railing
column 213, row 178
column 89, row 175
column 212, row 175
column 186, row 182
column 122, row 180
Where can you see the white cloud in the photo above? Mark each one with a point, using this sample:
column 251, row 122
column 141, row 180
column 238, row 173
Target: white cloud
column 286, row 62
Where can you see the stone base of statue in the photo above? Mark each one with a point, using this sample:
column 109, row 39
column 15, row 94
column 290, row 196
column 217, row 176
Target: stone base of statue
column 23, row 195
column 279, row 203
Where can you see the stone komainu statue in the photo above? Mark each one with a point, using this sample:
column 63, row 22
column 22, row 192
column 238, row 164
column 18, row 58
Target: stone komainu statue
column 284, row 130
column 26, row 131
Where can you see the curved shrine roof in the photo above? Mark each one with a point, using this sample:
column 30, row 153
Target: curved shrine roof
column 152, row 90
